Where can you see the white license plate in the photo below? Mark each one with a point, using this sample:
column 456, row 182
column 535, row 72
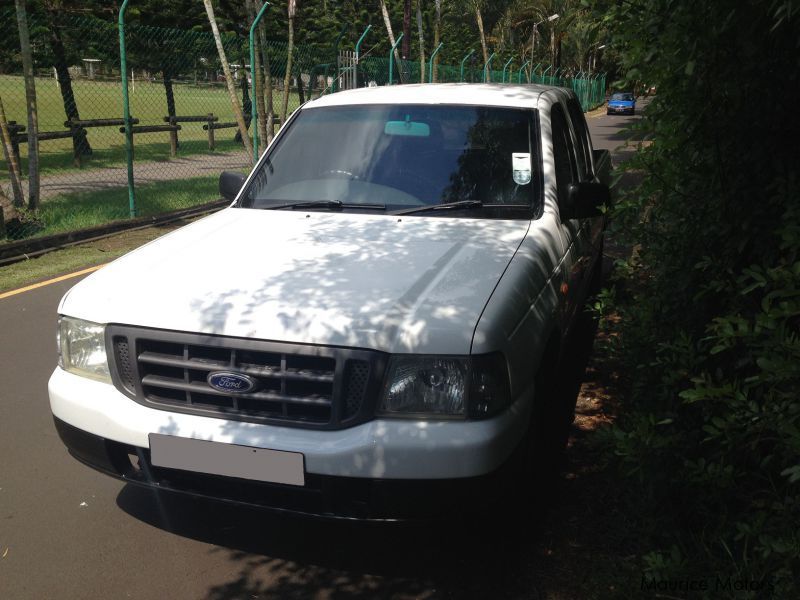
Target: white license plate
column 229, row 460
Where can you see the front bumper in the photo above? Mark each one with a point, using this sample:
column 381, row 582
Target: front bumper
column 322, row 495
column 370, row 466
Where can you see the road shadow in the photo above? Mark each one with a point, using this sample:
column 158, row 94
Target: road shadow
column 285, row 556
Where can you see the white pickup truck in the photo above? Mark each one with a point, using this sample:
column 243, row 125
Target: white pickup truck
column 370, row 330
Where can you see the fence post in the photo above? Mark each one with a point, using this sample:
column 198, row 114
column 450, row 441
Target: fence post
column 173, row 139
column 430, row 69
column 471, row 52
column 533, row 72
column 210, row 131
column 545, row 71
column 522, row 70
column 358, row 53
column 505, row 67
column 486, row 75
column 391, row 59
column 253, row 93
column 339, row 37
column 126, row 108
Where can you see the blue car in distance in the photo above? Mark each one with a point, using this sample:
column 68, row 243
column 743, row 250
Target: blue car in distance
column 621, row 103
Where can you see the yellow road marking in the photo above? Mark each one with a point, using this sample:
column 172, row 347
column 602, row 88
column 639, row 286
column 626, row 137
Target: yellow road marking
column 49, row 281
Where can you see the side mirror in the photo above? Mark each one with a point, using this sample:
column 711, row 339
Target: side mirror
column 230, row 183
column 584, row 200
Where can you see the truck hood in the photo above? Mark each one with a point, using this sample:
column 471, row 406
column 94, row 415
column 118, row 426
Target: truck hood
column 410, row 284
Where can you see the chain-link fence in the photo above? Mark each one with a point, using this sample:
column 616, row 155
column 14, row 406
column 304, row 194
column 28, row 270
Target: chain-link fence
column 184, row 128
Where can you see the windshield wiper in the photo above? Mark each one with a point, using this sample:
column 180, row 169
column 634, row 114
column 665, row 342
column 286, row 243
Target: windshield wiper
column 329, row 204
column 460, row 205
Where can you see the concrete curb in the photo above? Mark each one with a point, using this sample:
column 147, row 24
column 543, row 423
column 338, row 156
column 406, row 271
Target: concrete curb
column 25, row 249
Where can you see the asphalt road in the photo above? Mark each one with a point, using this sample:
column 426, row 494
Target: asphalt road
column 69, row 532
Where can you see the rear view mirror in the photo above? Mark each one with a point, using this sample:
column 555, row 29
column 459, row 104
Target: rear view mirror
column 407, row 128
column 584, row 200
column 230, row 183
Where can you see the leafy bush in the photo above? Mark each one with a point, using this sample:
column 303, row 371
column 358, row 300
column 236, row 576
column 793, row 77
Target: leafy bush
column 710, row 321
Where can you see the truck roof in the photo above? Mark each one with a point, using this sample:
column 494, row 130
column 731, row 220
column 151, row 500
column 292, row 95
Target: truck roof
column 482, row 94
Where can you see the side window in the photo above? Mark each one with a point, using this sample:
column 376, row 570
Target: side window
column 584, row 148
column 563, row 154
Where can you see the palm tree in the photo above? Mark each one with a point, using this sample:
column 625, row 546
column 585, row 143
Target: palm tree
column 237, row 109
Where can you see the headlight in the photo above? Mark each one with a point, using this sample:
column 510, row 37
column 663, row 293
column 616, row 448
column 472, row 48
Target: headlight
column 82, row 348
column 445, row 386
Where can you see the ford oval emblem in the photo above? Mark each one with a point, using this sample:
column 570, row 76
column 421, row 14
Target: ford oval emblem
column 225, row 381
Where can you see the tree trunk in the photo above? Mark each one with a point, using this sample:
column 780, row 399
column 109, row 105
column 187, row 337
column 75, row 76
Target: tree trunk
column 268, row 91
column 14, row 173
column 421, row 43
column 80, row 143
column 406, row 45
column 30, row 102
column 301, row 95
column 247, row 109
column 479, row 19
column 5, row 204
column 437, row 36
column 287, row 78
column 558, row 52
column 237, row 110
column 388, row 23
column 170, row 100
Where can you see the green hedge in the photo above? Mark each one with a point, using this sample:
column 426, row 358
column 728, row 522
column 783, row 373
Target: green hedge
column 709, row 436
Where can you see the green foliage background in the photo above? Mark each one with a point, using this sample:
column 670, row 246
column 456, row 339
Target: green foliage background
column 709, row 439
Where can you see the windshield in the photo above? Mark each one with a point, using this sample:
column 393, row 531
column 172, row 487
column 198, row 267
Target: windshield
column 622, row 96
column 400, row 157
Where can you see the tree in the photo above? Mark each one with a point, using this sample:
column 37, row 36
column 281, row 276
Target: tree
column 388, row 23
column 707, row 440
column 30, row 104
column 237, row 109
column 406, row 45
column 291, row 11
column 437, row 34
column 479, row 19
column 421, row 43
column 14, row 172
column 54, row 10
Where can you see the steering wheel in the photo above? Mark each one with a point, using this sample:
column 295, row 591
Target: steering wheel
column 339, row 174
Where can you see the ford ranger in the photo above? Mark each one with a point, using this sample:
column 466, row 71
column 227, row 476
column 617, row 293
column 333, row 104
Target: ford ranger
column 370, row 330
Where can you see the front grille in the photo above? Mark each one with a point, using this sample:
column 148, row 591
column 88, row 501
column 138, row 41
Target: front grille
column 296, row 385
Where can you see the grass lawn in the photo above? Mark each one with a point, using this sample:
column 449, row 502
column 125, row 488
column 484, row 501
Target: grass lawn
column 103, row 100
column 71, row 212
column 77, row 258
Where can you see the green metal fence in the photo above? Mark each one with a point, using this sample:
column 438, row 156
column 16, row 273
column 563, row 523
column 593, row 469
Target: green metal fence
column 184, row 131
column 375, row 71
